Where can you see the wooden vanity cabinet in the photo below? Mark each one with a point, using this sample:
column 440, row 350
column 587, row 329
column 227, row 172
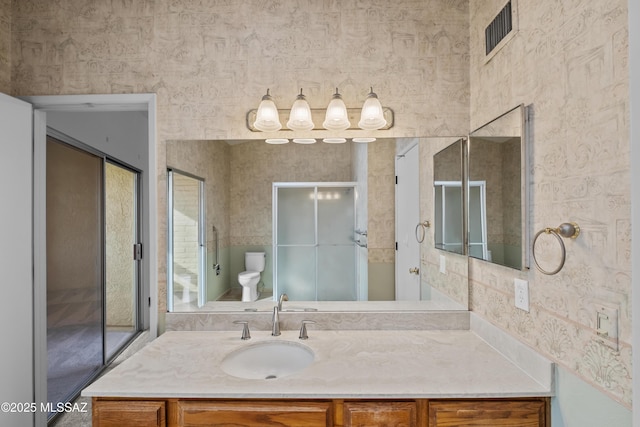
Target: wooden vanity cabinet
column 495, row 413
column 524, row 412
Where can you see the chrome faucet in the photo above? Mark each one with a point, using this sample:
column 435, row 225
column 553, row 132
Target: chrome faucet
column 275, row 328
column 283, row 297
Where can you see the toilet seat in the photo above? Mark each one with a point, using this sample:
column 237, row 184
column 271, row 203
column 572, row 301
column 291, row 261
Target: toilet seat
column 249, row 274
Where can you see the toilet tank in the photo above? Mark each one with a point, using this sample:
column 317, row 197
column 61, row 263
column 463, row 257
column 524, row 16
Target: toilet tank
column 254, row 261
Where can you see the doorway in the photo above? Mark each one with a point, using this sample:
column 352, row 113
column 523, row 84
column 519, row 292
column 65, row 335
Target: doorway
column 92, row 271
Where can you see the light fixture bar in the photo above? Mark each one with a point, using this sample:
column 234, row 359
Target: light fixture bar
column 318, row 116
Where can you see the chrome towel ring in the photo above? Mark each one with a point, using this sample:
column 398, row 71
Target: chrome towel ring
column 422, row 228
column 569, row 230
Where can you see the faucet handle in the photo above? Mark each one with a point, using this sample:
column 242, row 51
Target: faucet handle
column 245, row 330
column 303, row 329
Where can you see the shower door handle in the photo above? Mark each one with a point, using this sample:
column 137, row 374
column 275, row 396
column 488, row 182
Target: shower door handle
column 414, row 270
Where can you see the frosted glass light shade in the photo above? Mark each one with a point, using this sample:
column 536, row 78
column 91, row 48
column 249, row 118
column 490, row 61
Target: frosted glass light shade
column 372, row 117
column 300, row 116
column 336, row 117
column 267, row 119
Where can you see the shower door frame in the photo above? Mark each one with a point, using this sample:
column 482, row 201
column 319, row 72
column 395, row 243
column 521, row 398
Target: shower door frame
column 315, row 185
column 202, row 239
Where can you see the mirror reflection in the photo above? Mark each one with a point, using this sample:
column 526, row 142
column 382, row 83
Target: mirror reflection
column 497, row 191
column 294, row 245
column 448, row 202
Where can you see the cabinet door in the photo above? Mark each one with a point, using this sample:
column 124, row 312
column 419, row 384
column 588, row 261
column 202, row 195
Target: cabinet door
column 129, row 413
column 380, row 414
column 254, row 413
column 507, row 413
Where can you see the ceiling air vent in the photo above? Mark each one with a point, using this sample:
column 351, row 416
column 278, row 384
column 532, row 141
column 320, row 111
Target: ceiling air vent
column 499, row 28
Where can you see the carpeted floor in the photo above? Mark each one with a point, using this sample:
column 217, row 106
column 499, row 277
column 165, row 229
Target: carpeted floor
column 75, row 341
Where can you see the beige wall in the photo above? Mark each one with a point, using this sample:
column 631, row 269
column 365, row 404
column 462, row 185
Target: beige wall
column 5, row 46
column 569, row 61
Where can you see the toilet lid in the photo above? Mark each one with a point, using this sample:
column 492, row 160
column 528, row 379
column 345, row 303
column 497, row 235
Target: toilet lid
column 249, row 274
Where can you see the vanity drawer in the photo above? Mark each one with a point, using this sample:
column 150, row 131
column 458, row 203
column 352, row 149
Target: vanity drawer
column 129, row 413
column 250, row 413
column 380, row 413
column 511, row 413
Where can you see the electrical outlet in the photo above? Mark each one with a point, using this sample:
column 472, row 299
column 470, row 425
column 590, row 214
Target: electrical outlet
column 522, row 294
column 443, row 264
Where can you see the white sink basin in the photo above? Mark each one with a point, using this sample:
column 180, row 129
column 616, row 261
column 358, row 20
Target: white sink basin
column 267, row 360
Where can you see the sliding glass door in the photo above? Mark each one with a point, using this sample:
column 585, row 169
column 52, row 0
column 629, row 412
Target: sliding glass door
column 92, row 256
column 74, row 269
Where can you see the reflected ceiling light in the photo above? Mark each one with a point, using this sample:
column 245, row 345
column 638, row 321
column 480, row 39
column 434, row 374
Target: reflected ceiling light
column 300, row 116
column 276, row 141
column 335, row 140
column 372, row 116
column 304, row 140
column 363, row 140
column 267, row 119
column 336, row 117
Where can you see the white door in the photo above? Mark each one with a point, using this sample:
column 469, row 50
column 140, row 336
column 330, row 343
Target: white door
column 407, row 217
column 16, row 255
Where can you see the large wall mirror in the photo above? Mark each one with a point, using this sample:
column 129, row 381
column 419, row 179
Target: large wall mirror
column 226, row 189
column 497, row 191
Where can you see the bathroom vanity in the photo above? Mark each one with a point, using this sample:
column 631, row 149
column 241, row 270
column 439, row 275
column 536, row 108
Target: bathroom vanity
column 356, row 378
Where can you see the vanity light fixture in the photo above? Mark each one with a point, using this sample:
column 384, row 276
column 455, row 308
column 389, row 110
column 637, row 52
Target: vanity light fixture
column 336, row 117
column 267, row 119
column 300, row 116
column 372, row 117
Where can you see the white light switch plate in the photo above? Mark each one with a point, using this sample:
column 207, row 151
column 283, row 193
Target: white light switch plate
column 522, row 294
column 443, row 264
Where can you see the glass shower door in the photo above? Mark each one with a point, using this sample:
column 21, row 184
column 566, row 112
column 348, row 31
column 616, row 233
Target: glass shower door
column 336, row 248
column 313, row 237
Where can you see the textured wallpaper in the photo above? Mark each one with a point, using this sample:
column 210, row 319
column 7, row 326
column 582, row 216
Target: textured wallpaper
column 569, row 61
column 5, row 46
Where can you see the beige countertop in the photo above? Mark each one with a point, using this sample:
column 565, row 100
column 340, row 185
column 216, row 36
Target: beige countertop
column 347, row 364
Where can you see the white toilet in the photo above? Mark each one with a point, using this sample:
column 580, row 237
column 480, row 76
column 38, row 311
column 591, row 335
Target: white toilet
column 249, row 279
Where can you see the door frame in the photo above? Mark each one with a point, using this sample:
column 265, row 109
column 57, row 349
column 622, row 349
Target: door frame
column 149, row 268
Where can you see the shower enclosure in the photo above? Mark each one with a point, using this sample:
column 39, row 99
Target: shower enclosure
column 313, row 241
